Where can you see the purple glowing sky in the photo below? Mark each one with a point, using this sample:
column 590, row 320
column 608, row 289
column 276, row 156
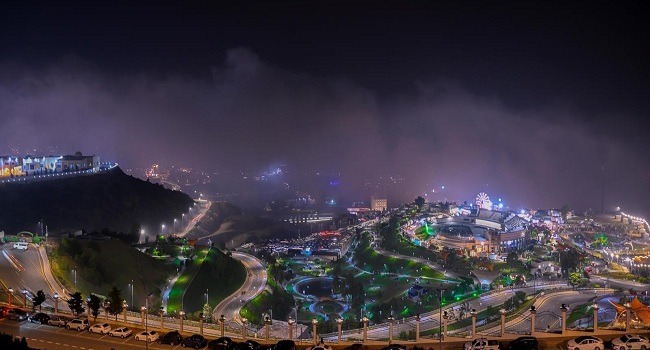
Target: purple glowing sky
column 523, row 103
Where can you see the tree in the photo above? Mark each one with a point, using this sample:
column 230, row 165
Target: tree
column 207, row 312
column 38, row 300
column 94, row 303
column 115, row 300
column 419, row 201
column 574, row 279
column 76, row 303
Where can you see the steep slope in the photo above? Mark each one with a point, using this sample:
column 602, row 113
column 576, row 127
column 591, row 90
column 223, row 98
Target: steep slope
column 111, row 200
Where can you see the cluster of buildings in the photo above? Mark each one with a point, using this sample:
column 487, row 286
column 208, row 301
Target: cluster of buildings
column 12, row 166
column 475, row 230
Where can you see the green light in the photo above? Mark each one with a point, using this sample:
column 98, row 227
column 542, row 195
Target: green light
column 457, row 298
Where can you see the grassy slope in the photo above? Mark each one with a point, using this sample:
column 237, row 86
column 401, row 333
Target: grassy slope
column 219, row 274
column 123, row 264
column 175, row 301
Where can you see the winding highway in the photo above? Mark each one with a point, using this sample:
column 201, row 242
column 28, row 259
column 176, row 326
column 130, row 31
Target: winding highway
column 253, row 285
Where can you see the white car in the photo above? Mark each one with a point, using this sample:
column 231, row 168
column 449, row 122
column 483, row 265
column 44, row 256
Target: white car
column 121, row 332
column 631, row 342
column 586, row 342
column 101, row 328
column 149, row 336
column 21, row 245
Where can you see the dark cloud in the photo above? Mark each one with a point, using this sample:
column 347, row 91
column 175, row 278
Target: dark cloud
column 246, row 113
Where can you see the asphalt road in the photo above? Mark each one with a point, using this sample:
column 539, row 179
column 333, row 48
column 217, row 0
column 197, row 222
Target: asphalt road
column 55, row 338
column 24, row 269
column 253, row 285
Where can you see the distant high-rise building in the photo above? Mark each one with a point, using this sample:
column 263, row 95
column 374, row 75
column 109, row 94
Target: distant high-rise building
column 378, row 204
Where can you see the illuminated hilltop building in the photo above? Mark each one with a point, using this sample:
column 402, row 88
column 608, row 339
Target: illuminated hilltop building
column 37, row 165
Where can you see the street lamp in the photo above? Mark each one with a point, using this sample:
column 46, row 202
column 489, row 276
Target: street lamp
column 440, row 291
column 162, row 231
column 75, row 279
column 10, row 290
column 206, row 296
column 56, row 303
column 174, row 226
column 142, row 235
column 182, row 218
column 132, row 292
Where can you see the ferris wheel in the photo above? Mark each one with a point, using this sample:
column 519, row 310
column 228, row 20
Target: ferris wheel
column 483, row 200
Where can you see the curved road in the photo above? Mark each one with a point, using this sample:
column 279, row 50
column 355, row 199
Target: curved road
column 253, row 285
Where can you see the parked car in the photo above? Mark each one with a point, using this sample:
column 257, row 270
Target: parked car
column 173, row 338
column 78, row 324
column 39, row 318
column 196, row 341
column 523, row 343
column 356, row 346
column 247, row 345
column 631, row 342
column 320, row 346
column 223, row 343
column 121, row 332
column 285, row 345
column 394, row 347
column 101, row 328
column 60, row 321
column 482, row 344
column 149, row 336
column 17, row 314
column 586, row 342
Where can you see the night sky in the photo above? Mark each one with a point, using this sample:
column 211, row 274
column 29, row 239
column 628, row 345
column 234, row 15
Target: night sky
column 527, row 102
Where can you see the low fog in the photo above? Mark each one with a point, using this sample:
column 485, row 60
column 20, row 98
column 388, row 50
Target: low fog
column 246, row 113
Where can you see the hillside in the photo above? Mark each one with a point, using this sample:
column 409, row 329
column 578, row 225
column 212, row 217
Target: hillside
column 102, row 264
column 111, row 200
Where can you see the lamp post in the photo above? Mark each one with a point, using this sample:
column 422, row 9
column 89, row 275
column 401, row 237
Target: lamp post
column 314, row 323
column 181, row 314
column 174, row 226
column 595, row 307
column 56, row 303
column 222, row 319
column 390, row 328
column 124, row 308
column 131, row 292
column 146, row 321
column 243, row 328
column 142, row 310
column 440, row 291
column 290, row 322
column 75, row 279
column 10, row 290
column 473, row 313
column 201, row 319
column 182, row 219
column 365, row 329
column 25, row 298
column 162, row 230
column 564, row 309
column 142, row 235
column 339, row 323
column 162, row 313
